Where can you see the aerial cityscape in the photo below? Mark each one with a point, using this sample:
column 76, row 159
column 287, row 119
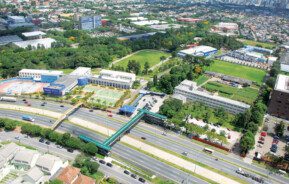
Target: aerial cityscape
column 144, row 91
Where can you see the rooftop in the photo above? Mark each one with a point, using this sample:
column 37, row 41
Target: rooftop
column 282, row 83
column 33, row 33
column 69, row 174
column 81, row 71
column 198, row 49
column 47, row 161
column 190, row 86
column 25, row 155
column 35, row 174
column 285, row 58
column 46, row 72
column 9, row 39
column 46, row 42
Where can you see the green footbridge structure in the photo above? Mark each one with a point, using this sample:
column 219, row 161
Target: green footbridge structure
column 105, row 147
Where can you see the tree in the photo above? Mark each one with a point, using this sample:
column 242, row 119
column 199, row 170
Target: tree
column 92, row 166
column 279, row 129
column 155, row 80
column 10, row 125
column 247, row 142
column 146, row 67
column 90, row 149
column 56, row 181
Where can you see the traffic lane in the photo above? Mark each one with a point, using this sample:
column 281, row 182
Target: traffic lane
column 37, row 104
column 208, row 160
column 136, row 157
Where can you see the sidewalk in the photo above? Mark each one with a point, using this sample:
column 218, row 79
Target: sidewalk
column 134, row 143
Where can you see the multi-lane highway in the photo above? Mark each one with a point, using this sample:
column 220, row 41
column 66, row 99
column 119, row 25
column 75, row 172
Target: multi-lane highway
column 172, row 142
column 135, row 157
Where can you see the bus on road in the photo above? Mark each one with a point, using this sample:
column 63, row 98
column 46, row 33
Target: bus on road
column 7, row 99
column 207, row 150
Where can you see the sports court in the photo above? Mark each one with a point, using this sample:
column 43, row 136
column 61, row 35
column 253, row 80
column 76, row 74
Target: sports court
column 104, row 95
column 19, row 86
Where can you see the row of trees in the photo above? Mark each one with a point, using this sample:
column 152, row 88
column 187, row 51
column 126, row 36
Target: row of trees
column 62, row 139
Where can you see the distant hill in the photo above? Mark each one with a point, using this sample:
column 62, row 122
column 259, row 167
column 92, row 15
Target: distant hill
column 274, row 4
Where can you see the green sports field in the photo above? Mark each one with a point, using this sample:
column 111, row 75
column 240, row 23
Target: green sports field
column 104, row 95
column 245, row 72
column 150, row 56
column 246, row 95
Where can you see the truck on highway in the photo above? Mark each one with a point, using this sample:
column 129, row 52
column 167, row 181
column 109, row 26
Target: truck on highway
column 7, row 99
column 28, row 118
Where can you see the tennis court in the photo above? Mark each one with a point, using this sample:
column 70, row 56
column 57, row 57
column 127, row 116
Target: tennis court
column 104, row 95
column 19, row 86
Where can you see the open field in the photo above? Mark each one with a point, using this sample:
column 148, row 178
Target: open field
column 246, row 95
column 150, row 56
column 245, row 72
column 18, row 86
column 104, row 95
column 255, row 43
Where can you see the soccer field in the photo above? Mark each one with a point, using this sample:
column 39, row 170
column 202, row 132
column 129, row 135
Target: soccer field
column 150, row 56
column 245, row 72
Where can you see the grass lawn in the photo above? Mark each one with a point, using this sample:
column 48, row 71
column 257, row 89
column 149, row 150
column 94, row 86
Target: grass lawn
column 246, row 95
column 245, row 72
column 150, row 56
column 200, row 80
column 255, row 43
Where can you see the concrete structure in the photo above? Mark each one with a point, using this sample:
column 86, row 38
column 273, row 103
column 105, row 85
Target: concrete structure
column 44, row 42
column 39, row 75
column 81, row 72
column 284, row 62
column 4, row 40
column 25, row 159
column 116, row 79
column 65, row 83
column 34, row 175
column 34, row 35
column 50, row 164
column 279, row 101
column 202, row 51
column 188, row 91
column 89, row 22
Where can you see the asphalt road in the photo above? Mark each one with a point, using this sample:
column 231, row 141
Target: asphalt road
column 172, row 141
column 135, row 157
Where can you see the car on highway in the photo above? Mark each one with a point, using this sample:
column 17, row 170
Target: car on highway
column 90, row 110
column 17, row 138
column 61, row 105
column 102, row 162
column 47, row 142
column 70, row 150
column 142, row 180
column 133, row 176
column 126, row 172
column 42, row 140
column 143, row 138
column 109, row 164
column 43, row 104
column 24, row 100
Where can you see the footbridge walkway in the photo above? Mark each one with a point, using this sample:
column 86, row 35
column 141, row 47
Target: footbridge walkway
column 65, row 115
column 106, row 145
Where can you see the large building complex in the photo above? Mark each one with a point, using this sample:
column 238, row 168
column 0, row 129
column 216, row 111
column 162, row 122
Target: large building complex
column 116, row 79
column 18, row 21
column 226, row 28
column 40, row 75
column 187, row 91
column 89, row 22
column 35, row 44
column 202, row 51
column 279, row 102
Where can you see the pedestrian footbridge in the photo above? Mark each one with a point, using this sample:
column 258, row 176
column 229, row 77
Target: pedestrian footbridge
column 108, row 143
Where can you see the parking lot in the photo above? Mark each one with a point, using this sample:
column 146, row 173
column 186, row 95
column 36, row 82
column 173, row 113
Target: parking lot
column 270, row 143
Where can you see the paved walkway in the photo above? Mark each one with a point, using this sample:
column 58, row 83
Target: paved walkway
column 133, row 142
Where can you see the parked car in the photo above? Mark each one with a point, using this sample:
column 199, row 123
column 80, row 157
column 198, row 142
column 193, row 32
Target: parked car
column 276, row 137
column 133, row 176
column 261, row 138
column 275, row 141
column 261, row 142
column 126, row 172
column 142, row 180
column 274, row 148
column 102, row 162
column 42, row 140
column 109, row 164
